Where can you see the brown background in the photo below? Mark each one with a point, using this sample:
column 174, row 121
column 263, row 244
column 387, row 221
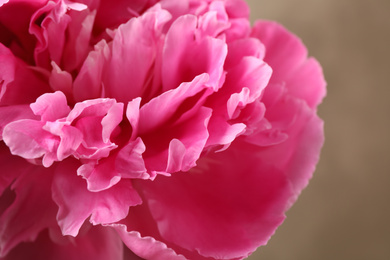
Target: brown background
column 344, row 213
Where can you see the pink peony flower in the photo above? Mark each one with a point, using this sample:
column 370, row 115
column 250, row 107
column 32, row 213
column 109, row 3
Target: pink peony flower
column 150, row 129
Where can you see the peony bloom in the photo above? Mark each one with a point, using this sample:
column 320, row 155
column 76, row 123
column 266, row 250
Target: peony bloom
column 150, row 129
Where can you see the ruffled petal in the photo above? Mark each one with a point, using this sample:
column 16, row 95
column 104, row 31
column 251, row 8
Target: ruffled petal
column 146, row 247
column 235, row 207
column 76, row 203
column 187, row 55
column 134, row 49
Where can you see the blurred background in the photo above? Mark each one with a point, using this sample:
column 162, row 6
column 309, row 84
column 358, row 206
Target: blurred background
column 344, row 213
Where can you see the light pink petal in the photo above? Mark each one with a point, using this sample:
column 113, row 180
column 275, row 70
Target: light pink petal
column 223, row 133
column 127, row 163
column 97, row 243
column 9, row 114
column 146, row 247
column 26, row 138
column 186, row 56
column 287, row 55
column 51, row 106
column 2, row 2
column 16, row 77
column 76, row 203
column 96, row 120
column 32, row 210
column 132, row 114
column 133, row 53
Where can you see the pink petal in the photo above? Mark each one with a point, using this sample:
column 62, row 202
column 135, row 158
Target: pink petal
column 133, row 53
column 76, row 203
column 26, row 138
column 11, row 167
column 9, row 114
column 88, row 83
column 146, row 247
column 51, row 106
column 186, row 56
column 235, row 199
column 97, row 243
column 2, row 2
column 60, row 80
column 287, row 55
column 32, row 210
column 177, row 147
column 127, row 163
column 16, row 78
column 161, row 109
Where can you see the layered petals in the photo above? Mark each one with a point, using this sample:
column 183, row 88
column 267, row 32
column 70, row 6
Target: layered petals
column 150, row 129
column 76, row 203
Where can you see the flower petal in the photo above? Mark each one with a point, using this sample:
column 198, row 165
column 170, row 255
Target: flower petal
column 76, row 203
column 146, row 247
column 97, row 243
column 32, row 210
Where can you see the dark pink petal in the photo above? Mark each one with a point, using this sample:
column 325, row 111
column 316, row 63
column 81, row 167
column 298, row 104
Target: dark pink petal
column 15, row 19
column 97, row 243
column 51, row 31
column 11, row 167
column 111, row 15
column 76, row 203
column 16, row 78
column 32, row 210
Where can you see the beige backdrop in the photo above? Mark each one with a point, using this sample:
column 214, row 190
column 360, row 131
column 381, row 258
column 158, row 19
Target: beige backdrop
column 344, row 213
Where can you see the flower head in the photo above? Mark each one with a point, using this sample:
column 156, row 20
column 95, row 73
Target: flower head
column 173, row 129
